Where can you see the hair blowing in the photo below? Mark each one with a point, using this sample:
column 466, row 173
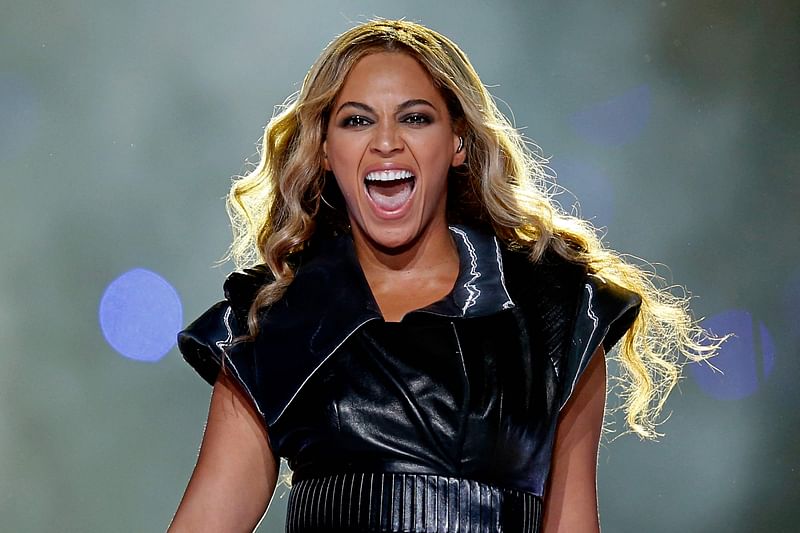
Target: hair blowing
column 276, row 208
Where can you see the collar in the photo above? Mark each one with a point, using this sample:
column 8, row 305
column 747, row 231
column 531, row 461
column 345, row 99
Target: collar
column 480, row 288
column 330, row 299
column 332, row 279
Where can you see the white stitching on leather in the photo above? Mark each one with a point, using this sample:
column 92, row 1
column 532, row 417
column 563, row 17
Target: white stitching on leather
column 474, row 292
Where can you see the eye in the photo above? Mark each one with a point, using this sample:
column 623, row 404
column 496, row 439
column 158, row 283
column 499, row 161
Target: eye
column 417, row 119
column 355, row 121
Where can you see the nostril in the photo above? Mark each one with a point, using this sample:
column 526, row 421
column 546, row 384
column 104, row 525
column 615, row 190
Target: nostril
column 387, row 145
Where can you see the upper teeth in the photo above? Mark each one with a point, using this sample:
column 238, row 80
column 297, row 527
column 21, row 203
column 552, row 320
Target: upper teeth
column 389, row 175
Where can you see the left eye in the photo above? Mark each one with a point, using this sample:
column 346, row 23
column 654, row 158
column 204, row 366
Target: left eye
column 416, row 118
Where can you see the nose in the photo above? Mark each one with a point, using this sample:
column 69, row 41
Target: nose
column 387, row 139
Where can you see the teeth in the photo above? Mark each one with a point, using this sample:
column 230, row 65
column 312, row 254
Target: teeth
column 389, row 175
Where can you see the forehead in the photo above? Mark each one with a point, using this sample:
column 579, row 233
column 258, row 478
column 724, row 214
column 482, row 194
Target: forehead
column 388, row 75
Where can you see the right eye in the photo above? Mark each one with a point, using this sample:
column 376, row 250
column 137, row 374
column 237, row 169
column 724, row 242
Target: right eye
column 356, row 121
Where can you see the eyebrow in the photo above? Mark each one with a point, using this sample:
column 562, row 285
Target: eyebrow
column 405, row 105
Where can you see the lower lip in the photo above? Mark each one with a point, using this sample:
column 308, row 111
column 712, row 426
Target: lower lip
column 391, row 215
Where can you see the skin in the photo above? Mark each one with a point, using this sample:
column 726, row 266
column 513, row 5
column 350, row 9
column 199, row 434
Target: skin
column 571, row 497
column 236, row 471
column 388, row 114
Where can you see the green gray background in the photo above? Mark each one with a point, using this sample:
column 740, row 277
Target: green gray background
column 122, row 122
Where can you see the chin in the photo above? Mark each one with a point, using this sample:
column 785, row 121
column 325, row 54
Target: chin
column 399, row 231
column 390, row 239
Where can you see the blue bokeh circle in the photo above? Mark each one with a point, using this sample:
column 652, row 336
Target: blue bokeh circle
column 140, row 315
column 745, row 360
column 616, row 121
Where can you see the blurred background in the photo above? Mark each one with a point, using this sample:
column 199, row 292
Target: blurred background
column 675, row 124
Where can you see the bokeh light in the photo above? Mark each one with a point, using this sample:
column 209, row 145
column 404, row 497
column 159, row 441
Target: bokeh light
column 587, row 188
column 140, row 315
column 616, row 121
column 745, row 360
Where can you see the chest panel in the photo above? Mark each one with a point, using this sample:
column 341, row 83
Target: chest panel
column 458, row 397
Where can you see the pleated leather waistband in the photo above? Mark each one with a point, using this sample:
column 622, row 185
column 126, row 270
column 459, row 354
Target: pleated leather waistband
column 408, row 503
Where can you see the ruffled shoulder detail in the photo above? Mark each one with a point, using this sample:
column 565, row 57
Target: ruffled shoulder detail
column 241, row 287
column 212, row 340
column 546, row 293
column 570, row 313
column 604, row 314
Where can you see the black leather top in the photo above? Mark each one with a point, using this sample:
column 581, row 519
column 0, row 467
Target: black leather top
column 469, row 387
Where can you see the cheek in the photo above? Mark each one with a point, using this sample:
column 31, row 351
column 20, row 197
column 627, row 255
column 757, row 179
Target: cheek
column 343, row 158
column 439, row 161
column 342, row 186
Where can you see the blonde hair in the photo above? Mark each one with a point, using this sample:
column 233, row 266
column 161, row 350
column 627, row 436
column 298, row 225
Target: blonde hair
column 278, row 207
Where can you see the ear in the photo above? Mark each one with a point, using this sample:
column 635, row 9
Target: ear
column 325, row 164
column 459, row 155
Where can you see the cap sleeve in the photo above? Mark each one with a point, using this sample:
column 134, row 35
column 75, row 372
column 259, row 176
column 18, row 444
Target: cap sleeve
column 605, row 312
column 214, row 336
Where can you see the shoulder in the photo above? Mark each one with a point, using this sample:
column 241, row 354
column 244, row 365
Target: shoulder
column 210, row 339
column 242, row 286
column 572, row 310
column 551, row 282
column 554, row 281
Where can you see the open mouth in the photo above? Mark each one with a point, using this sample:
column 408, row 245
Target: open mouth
column 390, row 189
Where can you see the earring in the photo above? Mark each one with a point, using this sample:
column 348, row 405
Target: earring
column 460, row 144
column 326, row 201
column 328, row 175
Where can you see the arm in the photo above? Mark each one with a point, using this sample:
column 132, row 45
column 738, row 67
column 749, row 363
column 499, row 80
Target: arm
column 571, row 500
column 236, row 471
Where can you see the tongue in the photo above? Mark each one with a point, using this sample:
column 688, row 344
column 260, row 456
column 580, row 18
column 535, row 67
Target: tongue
column 392, row 195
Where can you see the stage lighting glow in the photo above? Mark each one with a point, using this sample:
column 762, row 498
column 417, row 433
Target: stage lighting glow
column 589, row 188
column 745, row 361
column 140, row 314
column 616, row 121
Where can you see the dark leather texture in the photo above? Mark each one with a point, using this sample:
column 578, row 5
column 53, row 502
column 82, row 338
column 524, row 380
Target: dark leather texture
column 469, row 387
column 408, row 502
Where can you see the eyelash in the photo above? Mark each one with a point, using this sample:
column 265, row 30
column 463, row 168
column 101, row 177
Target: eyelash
column 357, row 121
column 417, row 119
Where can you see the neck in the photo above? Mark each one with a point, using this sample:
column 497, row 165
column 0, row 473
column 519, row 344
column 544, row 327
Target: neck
column 402, row 280
column 433, row 250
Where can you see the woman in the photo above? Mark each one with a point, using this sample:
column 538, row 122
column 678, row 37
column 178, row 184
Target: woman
column 424, row 341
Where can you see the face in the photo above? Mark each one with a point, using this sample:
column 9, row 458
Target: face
column 390, row 144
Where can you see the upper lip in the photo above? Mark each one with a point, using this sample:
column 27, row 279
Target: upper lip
column 386, row 166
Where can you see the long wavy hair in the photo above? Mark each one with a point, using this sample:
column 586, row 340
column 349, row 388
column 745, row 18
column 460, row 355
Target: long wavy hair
column 288, row 200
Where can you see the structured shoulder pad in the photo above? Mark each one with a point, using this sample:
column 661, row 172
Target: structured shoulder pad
column 605, row 312
column 213, row 340
column 241, row 287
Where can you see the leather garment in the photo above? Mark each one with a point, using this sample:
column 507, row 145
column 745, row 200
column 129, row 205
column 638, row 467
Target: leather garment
column 408, row 502
column 469, row 387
